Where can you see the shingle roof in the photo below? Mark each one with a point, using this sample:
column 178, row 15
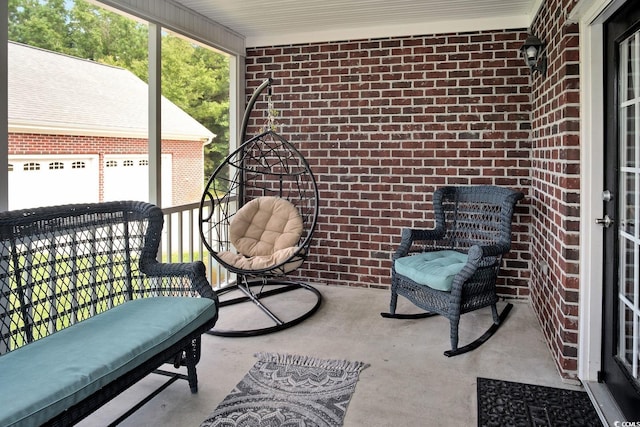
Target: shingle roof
column 64, row 94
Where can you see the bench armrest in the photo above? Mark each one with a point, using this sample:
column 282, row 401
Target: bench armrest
column 175, row 273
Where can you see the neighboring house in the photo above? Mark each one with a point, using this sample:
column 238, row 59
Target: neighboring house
column 78, row 132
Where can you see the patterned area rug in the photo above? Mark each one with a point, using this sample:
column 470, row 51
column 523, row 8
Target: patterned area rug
column 505, row 403
column 289, row 390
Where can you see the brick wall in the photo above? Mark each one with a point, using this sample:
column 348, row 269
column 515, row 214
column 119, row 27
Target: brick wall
column 555, row 186
column 188, row 170
column 384, row 122
column 187, row 156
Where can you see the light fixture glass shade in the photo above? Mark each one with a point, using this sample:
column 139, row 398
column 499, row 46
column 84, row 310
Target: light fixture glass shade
column 532, row 53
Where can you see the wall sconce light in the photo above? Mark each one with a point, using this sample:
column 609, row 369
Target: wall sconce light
column 533, row 56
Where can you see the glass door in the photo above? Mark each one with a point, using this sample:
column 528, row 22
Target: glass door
column 621, row 198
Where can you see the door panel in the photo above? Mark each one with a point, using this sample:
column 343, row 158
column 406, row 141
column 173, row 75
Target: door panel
column 52, row 180
column 126, row 177
column 620, row 370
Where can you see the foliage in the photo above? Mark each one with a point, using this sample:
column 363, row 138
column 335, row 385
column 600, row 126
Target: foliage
column 195, row 78
column 39, row 24
column 198, row 82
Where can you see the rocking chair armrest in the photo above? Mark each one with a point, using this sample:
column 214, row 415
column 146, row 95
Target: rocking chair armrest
column 411, row 235
column 493, row 250
column 475, row 258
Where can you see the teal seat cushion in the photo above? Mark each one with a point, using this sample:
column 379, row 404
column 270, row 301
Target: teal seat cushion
column 41, row 379
column 434, row 269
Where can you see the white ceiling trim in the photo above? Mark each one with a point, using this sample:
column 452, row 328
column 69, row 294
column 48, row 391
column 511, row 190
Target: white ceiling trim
column 423, row 28
column 176, row 17
column 287, row 22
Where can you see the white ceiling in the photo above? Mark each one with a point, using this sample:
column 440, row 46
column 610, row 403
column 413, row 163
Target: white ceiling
column 275, row 22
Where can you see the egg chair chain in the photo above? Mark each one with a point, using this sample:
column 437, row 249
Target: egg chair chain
column 272, row 113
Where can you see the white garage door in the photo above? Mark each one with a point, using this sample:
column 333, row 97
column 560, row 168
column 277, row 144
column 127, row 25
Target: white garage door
column 126, row 177
column 52, row 180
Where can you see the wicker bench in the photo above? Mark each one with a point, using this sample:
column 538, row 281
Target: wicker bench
column 86, row 310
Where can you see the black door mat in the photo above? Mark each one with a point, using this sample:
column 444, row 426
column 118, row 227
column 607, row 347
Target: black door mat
column 506, row 403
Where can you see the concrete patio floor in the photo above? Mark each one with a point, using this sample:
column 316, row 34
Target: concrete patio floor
column 409, row 383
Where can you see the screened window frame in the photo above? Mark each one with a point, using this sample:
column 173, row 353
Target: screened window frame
column 158, row 14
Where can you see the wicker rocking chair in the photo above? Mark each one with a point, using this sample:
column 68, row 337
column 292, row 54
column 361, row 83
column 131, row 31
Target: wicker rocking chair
column 257, row 216
column 452, row 269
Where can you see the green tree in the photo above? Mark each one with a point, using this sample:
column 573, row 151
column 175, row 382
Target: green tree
column 197, row 80
column 40, row 24
column 104, row 36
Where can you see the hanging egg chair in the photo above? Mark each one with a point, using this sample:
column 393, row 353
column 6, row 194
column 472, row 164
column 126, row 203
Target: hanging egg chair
column 257, row 216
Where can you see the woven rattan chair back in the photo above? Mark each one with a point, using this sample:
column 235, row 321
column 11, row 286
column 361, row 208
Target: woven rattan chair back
column 475, row 215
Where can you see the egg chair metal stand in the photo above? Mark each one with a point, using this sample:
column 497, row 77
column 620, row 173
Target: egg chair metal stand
column 257, row 217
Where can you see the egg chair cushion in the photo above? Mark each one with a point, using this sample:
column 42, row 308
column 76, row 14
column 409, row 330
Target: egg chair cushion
column 265, row 226
column 265, row 262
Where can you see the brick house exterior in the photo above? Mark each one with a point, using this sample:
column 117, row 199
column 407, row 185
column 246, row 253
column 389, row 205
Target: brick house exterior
column 383, row 122
column 65, row 106
column 186, row 165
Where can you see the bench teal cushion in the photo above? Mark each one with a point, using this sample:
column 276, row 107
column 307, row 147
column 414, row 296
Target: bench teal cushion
column 434, row 269
column 41, row 379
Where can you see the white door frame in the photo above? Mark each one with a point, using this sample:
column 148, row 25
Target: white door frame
column 591, row 15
